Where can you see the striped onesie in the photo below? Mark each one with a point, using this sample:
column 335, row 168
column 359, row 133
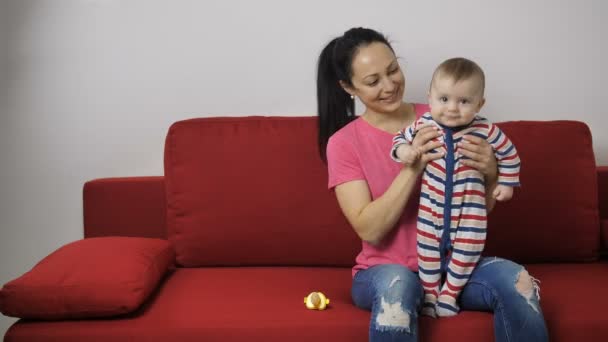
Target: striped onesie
column 453, row 195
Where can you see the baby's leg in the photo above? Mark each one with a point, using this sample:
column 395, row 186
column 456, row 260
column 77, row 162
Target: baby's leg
column 467, row 244
column 429, row 262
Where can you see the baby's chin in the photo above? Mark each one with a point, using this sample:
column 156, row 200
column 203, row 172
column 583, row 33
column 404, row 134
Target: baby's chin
column 451, row 122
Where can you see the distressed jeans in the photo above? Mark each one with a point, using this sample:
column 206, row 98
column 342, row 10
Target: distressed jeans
column 394, row 295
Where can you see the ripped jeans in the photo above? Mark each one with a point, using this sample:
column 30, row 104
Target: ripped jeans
column 394, row 295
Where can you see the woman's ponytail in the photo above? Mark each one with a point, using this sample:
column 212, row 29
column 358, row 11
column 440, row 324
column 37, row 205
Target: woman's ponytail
column 334, row 105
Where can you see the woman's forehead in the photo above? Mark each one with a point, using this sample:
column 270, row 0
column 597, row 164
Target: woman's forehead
column 371, row 59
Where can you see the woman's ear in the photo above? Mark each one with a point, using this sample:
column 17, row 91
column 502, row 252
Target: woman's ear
column 347, row 88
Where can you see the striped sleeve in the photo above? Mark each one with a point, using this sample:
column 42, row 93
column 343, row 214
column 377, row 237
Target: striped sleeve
column 405, row 136
column 506, row 156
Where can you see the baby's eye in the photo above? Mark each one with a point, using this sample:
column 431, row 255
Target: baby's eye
column 443, row 99
column 390, row 72
column 464, row 101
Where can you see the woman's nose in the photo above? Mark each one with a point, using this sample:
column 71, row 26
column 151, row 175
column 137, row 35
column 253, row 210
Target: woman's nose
column 388, row 85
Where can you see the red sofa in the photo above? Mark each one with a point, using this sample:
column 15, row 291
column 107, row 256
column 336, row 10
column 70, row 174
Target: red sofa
column 252, row 229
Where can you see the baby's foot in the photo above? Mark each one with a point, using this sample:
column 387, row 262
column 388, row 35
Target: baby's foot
column 429, row 310
column 445, row 312
column 446, row 306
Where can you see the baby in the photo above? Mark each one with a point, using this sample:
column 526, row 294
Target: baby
column 452, row 214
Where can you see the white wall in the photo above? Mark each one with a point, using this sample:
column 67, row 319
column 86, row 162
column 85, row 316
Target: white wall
column 92, row 85
column 8, row 267
column 3, row 55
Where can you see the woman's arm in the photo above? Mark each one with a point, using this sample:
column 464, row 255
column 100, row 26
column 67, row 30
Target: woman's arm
column 481, row 157
column 373, row 219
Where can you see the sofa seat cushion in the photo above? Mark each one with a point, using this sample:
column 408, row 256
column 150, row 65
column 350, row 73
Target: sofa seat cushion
column 573, row 300
column 266, row 304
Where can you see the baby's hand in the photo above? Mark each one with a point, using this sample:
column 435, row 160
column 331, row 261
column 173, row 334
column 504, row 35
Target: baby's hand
column 503, row 193
column 408, row 154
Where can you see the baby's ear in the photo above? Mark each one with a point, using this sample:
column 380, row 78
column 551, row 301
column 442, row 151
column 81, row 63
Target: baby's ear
column 481, row 103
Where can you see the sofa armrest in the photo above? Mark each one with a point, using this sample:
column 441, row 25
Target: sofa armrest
column 602, row 182
column 129, row 206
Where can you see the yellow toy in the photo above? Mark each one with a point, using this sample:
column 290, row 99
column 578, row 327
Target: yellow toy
column 316, row 301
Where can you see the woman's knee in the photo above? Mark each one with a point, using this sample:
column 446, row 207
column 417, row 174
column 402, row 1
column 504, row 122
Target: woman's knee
column 395, row 282
column 510, row 279
column 398, row 295
column 528, row 287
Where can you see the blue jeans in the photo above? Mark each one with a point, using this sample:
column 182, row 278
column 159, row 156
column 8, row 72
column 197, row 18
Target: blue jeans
column 394, row 295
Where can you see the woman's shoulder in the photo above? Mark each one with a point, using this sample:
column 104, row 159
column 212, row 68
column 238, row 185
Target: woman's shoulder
column 346, row 133
column 342, row 142
column 421, row 109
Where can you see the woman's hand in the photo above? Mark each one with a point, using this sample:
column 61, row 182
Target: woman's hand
column 481, row 157
column 424, row 141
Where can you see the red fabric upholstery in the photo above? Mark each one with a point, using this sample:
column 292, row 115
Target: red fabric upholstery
column 554, row 215
column 604, row 234
column 602, row 186
column 128, row 206
column 266, row 304
column 94, row 277
column 210, row 203
column 252, row 191
column 572, row 306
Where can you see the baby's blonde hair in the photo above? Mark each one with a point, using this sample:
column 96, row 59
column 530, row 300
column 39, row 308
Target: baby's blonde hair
column 460, row 68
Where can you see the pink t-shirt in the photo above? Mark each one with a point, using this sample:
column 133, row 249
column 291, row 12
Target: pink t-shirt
column 360, row 151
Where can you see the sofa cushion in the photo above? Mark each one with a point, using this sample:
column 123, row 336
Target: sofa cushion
column 602, row 186
column 604, row 225
column 252, row 191
column 554, row 215
column 266, row 304
column 93, row 277
column 572, row 300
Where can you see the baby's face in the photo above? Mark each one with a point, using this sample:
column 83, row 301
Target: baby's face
column 455, row 104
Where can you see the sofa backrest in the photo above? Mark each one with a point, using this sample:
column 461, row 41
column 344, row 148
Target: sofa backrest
column 253, row 191
column 554, row 215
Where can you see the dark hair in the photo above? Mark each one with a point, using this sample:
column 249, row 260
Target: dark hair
column 335, row 107
column 460, row 68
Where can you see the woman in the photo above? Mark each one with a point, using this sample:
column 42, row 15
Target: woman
column 379, row 197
